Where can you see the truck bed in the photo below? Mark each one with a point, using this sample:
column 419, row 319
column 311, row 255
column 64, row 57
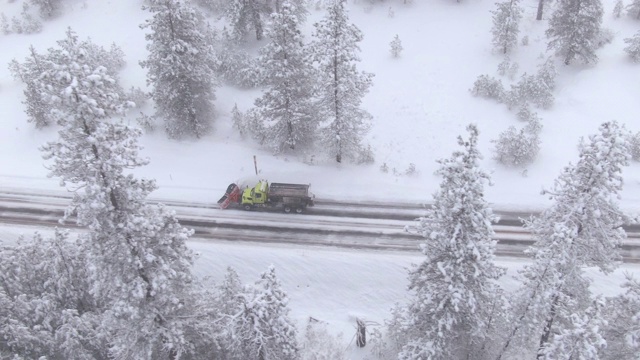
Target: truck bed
column 288, row 190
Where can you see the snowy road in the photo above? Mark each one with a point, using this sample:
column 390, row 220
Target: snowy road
column 329, row 223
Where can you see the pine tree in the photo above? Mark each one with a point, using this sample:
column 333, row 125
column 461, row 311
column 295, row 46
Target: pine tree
column 48, row 8
column 582, row 340
column 251, row 15
column 617, row 9
column 140, row 264
column 506, row 21
column 453, row 289
column 37, row 108
column 633, row 47
column 581, row 229
column 396, row 46
column 341, row 87
column 574, row 28
column 286, row 108
column 179, row 68
column 246, row 15
column 633, row 9
column 262, row 329
column 622, row 331
column 47, row 308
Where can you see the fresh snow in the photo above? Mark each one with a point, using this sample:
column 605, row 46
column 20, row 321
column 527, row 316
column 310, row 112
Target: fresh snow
column 420, row 103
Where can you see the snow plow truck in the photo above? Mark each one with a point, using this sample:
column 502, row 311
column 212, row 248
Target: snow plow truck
column 288, row 197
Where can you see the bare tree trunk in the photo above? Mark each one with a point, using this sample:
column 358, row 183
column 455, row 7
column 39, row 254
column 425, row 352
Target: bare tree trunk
column 544, row 338
column 361, row 336
column 540, row 8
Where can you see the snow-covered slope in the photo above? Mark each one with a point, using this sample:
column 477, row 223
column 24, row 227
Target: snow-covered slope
column 420, row 103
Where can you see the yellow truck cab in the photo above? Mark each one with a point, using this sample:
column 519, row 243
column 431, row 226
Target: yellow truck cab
column 289, row 197
column 256, row 195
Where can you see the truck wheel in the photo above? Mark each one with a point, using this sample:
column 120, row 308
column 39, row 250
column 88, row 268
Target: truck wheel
column 287, row 209
column 246, row 207
column 299, row 210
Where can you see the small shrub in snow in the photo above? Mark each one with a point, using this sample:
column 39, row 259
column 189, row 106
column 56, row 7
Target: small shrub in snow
column 507, row 68
column 534, row 126
column 525, row 40
column 516, row 148
column 26, row 23
column 532, row 89
column 489, row 87
column 633, row 47
column 365, row 155
column 604, row 37
column 384, row 168
column 617, row 10
column 396, row 46
column 411, row 170
column 16, row 25
column 4, row 24
column 319, row 344
column 547, row 73
column 137, row 96
column 146, row 122
column 525, row 113
column 48, row 8
column 634, row 140
column 391, row 13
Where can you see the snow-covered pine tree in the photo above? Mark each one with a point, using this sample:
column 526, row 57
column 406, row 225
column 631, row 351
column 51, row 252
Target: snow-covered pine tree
column 633, row 47
column 340, row 86
column 38, row 109
column 581, row 229
column 622, row 331
column 506, row 21
column 141, row 265
column 47, row 309
column 582, row 339
column 547, row 74
column 574, row 28
column 396, row 46
column 48, row 8
column 42, row 103
column 229, row 304
column 516, row 148
column 286, row 108
column 633, row 9
column 239, row 122
column 531, row 88
column 454, row 289
column 179, row 68
column 262, row 329
column 617, row 9
column 246, row 15
column 30, row 24
column 634, row 141
column 320, row 344
column 235, row 65
column 489, row 87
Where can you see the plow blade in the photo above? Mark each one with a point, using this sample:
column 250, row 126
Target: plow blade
column 232, row 195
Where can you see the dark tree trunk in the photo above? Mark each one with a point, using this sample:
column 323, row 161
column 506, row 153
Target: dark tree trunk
column 544, row 338
column 540, row 9
column 361, row 336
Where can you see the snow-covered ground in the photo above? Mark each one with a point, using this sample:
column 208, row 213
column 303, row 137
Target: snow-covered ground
column 335, row 285
column 420, row 103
